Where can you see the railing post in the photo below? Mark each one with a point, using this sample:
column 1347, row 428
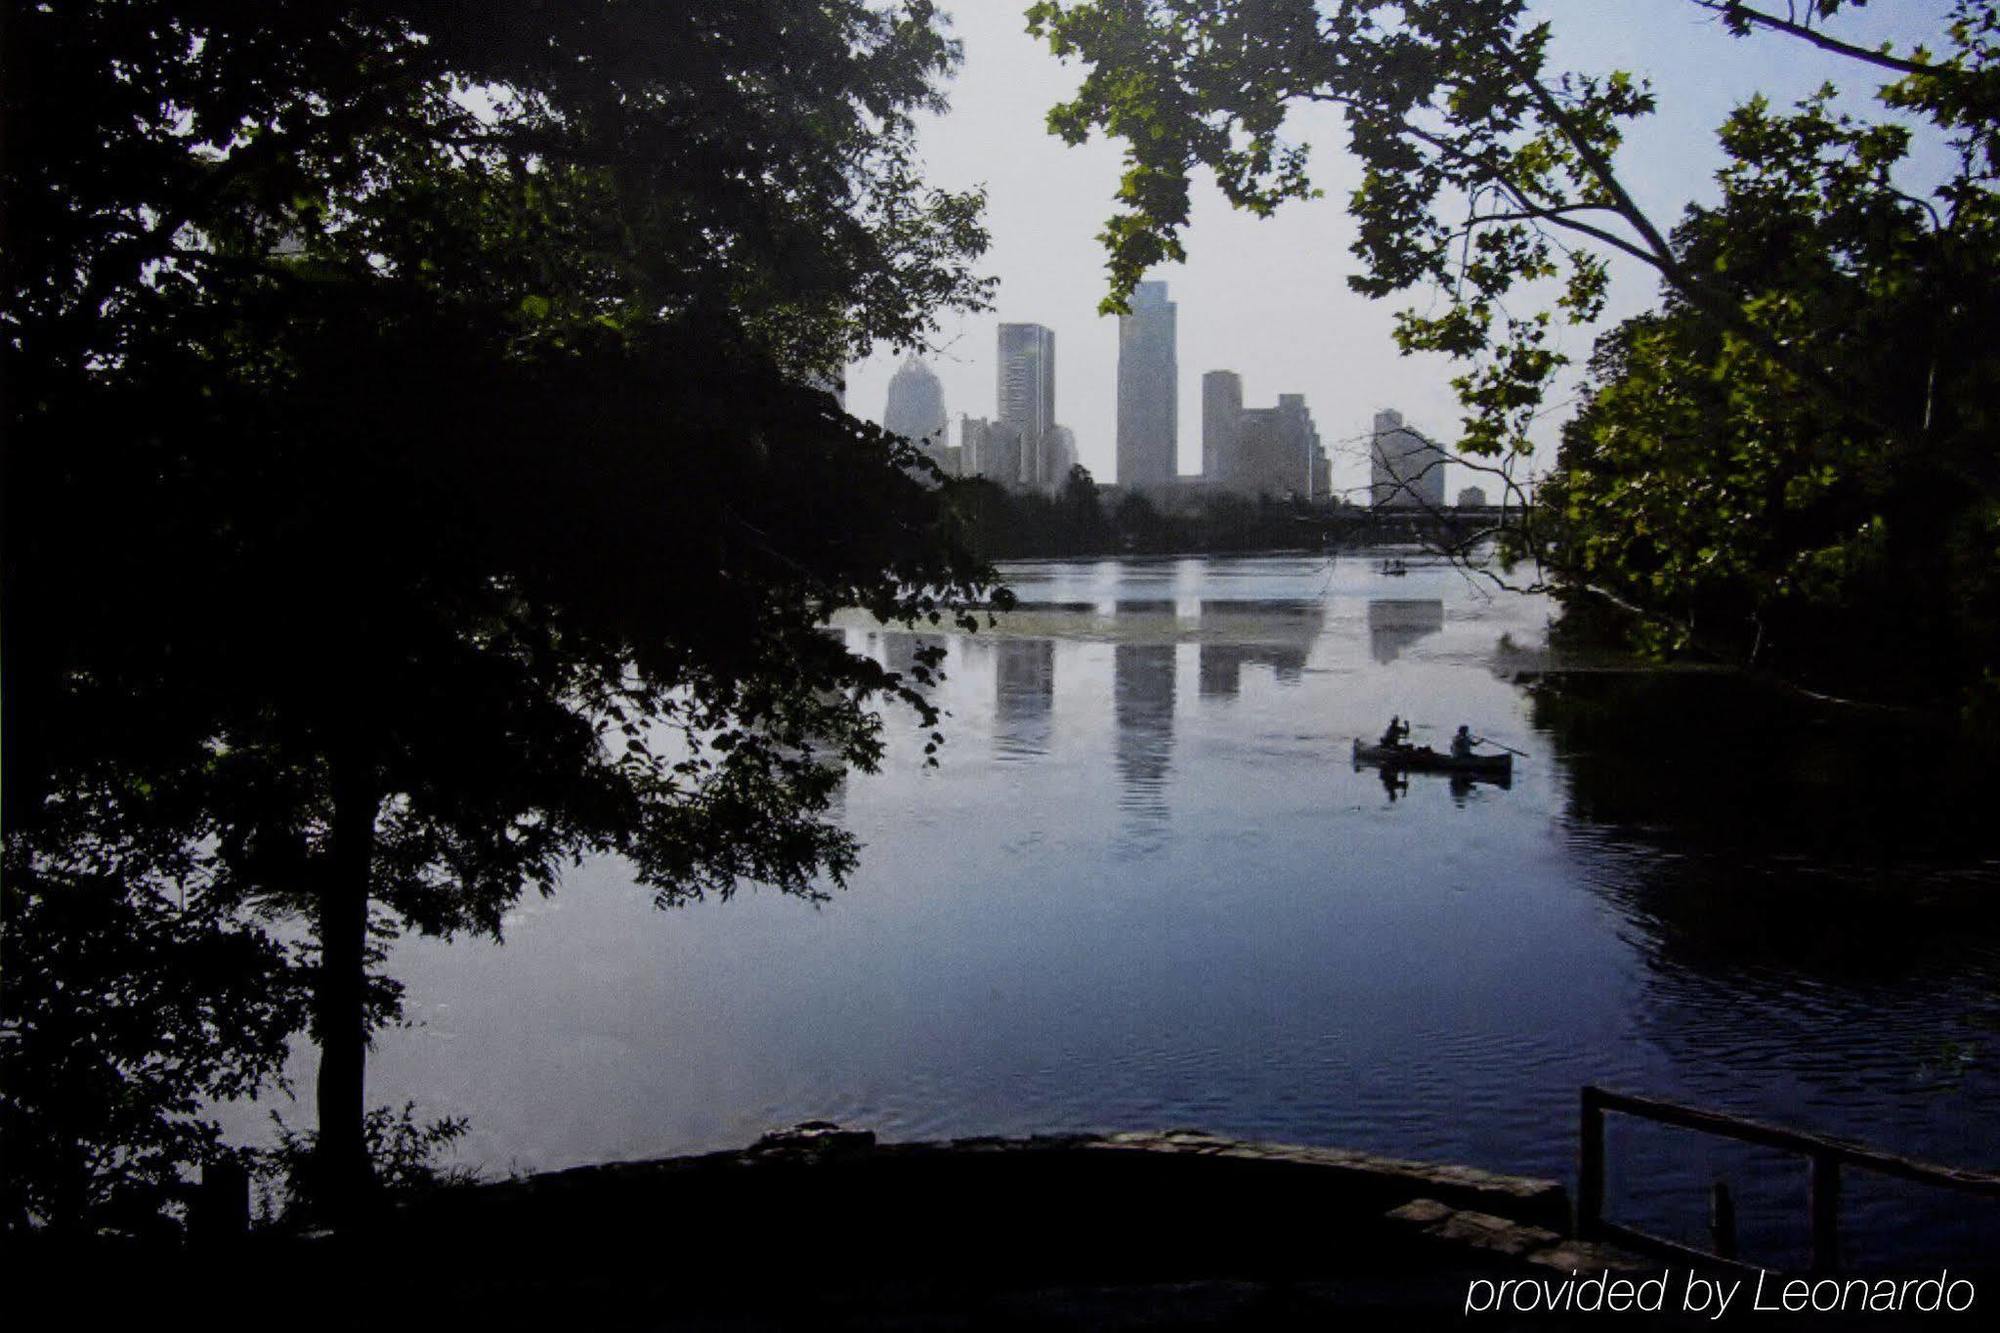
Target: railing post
column 1825, row 1204
column 1590, row 1164
column 1722, row 1221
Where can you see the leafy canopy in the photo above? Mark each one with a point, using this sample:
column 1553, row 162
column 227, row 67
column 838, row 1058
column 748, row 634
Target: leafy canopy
column 417, row 473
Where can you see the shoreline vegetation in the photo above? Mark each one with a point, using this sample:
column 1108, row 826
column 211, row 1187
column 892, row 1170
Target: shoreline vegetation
column 1082, row 520
column 1004, row 525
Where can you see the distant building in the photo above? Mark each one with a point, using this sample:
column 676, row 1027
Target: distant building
column 1316, row 477
column 1404, row 468
column 1062, row 456
column 990, row 449
column 1148, row 386
column 915, row 409
column 1000, row 458
column 1259, row 450
column 1221, row 413
column 1027, row 384
column 1472, row 498
column 1278, row 451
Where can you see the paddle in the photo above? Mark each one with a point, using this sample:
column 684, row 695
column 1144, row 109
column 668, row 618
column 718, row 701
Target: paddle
column 1482, row 740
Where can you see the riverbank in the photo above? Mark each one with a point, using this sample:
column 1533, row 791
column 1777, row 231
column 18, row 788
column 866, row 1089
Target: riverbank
column 820, row 1227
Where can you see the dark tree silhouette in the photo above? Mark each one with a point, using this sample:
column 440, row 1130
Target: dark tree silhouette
column 117, row 990
column 415, row 473
column 1082, row 512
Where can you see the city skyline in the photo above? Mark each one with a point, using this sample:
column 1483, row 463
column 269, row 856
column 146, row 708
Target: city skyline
column 1025, row 371
column 1249, row 450
column 1022, row 445
column 1274, row 290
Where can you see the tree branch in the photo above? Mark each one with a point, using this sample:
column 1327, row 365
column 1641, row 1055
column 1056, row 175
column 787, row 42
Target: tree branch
column 1736, row 9
column 1720, row 308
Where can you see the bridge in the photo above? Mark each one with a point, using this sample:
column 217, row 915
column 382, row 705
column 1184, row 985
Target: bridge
column 1360, row 525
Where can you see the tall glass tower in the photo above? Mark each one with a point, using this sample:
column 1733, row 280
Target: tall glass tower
column 1028, row 394
column 1148, row 386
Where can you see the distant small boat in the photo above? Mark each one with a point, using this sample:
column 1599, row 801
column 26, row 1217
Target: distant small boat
column 1394, row 567
column 1423, row 759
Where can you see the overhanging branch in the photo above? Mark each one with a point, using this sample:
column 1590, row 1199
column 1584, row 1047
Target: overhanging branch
column 1734, row 9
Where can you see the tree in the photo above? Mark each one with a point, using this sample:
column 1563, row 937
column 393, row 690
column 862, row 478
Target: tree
column 1140, row 524
column 416, row 476
column 1494, row 180
column 1744, row 514
column 108, row 1056
column 1085, row 529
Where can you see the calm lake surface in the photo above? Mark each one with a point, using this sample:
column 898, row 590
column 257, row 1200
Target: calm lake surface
column 1147, row 888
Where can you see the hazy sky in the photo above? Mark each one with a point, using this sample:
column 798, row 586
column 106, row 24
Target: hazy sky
column 1268, row 298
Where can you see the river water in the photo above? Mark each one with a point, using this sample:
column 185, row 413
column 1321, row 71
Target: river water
column 1145, row 887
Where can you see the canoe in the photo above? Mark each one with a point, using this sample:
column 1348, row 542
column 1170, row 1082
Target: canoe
column 1423, row 759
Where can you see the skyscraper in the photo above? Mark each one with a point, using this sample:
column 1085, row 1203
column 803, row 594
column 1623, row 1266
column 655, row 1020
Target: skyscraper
column 1148, row 380
column 1028, row 396
column 1260, row 450
column 915, row 409
column 990, row 449
column 1404, row 468
column 1221, row 413
column 1304, row 436
column 1278, row 451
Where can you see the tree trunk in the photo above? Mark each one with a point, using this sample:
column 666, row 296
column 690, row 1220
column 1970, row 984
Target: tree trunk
column 343, row 1175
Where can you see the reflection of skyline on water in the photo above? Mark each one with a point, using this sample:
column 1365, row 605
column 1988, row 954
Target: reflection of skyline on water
column 1024, row 693
column 1142, row 680
column 1277, row 635
column 900, row 648
column 1396, row 623
column 1145, row 606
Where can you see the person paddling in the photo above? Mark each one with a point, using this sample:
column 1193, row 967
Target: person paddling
column 1398, row 730
column 1462, row 742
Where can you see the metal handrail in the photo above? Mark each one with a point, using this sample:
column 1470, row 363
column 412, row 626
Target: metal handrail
column 1825, row 1153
